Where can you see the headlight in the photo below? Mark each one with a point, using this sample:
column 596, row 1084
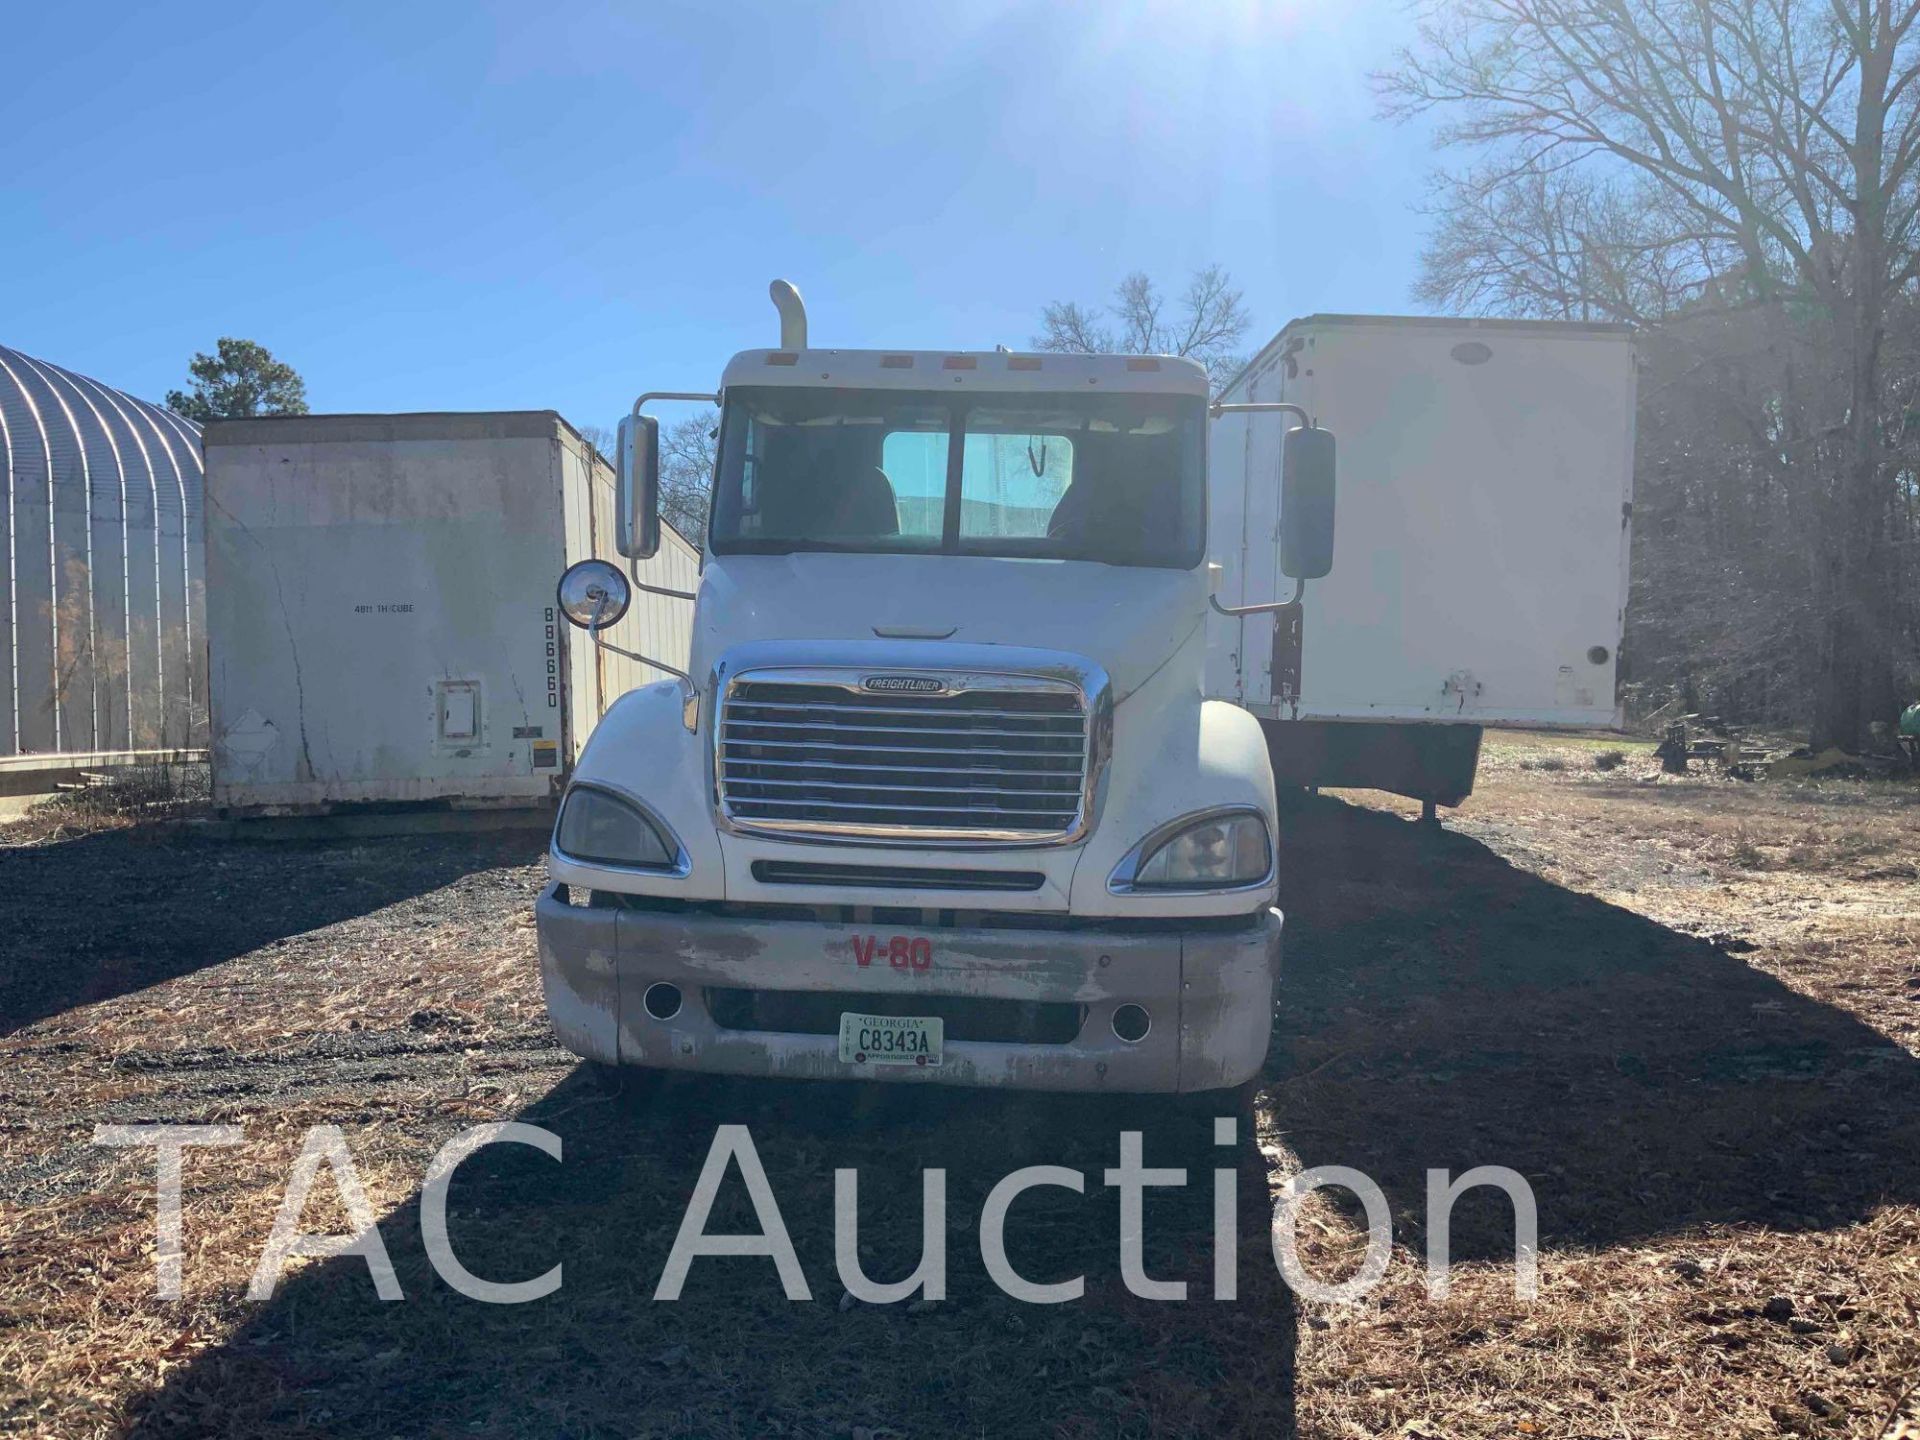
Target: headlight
column 1215, row 852
column 598, row 826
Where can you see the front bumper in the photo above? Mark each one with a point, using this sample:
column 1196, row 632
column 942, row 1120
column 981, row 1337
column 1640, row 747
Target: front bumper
column 1208, row 990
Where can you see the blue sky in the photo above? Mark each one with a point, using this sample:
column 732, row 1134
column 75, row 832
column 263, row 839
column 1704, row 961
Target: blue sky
column 489, row 206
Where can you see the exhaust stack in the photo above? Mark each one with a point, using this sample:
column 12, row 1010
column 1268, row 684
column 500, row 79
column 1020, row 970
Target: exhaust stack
column 793, row 315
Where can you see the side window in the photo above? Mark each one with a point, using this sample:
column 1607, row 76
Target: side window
column 1011, row 482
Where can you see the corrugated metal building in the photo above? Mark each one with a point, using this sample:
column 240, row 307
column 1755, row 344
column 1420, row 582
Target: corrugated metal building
column 103, row 609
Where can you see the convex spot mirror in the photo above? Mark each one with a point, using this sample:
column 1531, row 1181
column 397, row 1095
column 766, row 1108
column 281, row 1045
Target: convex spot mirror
column 636, row 498
column 1306, row 503
column 594, row 594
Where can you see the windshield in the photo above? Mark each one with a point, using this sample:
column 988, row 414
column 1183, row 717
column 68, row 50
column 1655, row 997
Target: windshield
column 1114, row 478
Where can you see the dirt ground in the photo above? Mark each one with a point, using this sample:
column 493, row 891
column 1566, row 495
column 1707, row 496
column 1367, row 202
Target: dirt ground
column 1688, row 1011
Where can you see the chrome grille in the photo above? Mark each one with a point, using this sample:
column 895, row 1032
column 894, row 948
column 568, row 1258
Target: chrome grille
column 987, row 758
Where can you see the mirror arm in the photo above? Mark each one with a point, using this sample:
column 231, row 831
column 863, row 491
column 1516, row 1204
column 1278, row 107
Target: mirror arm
column 653, row 395
column 659, row 589
column 1285, row 407
column 633, row 565
column 594, row 630
column 1231, row 611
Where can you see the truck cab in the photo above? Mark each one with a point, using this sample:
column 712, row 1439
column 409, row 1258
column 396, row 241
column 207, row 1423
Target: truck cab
column 940, row 799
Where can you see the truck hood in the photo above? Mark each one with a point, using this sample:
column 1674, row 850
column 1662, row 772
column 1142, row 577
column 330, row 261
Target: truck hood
column 1129, row 620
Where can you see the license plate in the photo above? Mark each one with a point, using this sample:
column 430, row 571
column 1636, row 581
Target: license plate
column 890, row 1039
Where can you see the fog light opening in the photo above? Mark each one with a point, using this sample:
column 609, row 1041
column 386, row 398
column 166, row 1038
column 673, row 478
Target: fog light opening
column 1131, row 1023
column 662, row 1000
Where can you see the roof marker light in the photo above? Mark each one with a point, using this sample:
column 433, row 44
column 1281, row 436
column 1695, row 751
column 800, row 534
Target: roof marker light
column 960, row 362
column 783, row 357
column 1023, row 362
column 896, row 362
column 1142, row 362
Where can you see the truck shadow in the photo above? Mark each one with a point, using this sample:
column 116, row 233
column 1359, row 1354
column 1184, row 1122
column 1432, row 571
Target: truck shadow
column 1445, row 1008
column 734, row 1355
column 1442, row 1008
column 158, row 905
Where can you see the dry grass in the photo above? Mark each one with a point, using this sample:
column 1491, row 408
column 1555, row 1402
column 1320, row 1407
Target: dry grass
column 1675, row 1339
column 1685, row 1009
column 1763, row 1147
column 121, row 797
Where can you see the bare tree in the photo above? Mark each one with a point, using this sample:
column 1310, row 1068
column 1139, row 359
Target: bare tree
column 1207, row 327
column 687, row 451
column 687, row 454
column 1768, row 149
column 1560, row 245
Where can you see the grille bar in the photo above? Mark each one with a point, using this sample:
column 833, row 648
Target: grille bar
column 916, row 788
column 1073, row 755
column 987, row 758
column 938, row 712
column 849, row 728
column 971, row 811
column 767, row 762
column 848, row 694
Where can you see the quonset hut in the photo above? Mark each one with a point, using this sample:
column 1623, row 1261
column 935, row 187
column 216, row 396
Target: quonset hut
column 102, row 617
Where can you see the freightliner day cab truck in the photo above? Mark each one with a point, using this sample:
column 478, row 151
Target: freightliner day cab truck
column 941, row 798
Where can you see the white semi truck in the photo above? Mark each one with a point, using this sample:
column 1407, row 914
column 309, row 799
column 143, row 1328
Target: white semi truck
column 994, row 664
column 941, row 798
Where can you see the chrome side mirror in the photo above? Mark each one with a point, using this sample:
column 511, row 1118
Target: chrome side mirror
column 637, row 495
column 594, row 594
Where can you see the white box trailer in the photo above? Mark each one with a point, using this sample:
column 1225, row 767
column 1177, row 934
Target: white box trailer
column 1480, row 570
column 381, row 622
